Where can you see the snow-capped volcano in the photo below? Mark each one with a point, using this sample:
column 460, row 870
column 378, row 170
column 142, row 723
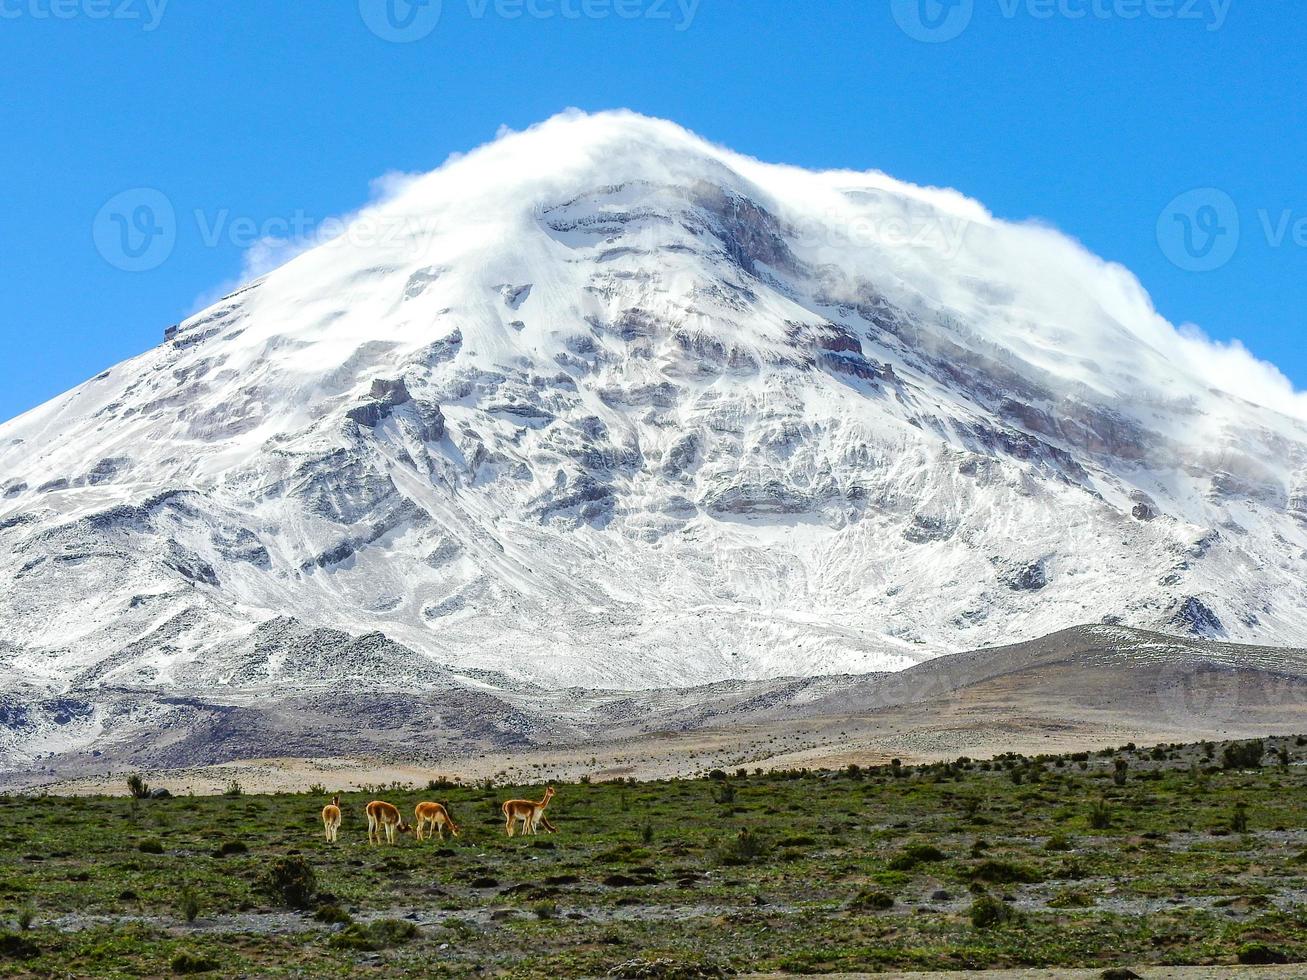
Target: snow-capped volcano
column 602, row 404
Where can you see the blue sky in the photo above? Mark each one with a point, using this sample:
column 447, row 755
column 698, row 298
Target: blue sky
column 1093, row 115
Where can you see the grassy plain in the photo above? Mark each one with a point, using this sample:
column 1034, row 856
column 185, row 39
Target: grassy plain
column 1168, row 855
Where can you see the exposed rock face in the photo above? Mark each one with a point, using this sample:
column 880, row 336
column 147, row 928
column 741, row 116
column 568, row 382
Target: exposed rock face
column 1030, row 577
column 1196, row 617
column 636, row 416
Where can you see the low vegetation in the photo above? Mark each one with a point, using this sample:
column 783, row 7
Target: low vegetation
column 1184, row 854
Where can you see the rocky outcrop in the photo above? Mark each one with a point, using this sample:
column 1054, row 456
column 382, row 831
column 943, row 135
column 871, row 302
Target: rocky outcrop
column 1194, row 616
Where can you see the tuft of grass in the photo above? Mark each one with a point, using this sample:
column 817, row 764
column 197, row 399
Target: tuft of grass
column 375, row 936
column 1005, row 873
column 914, row 855
column 744, row 848
column 1100, row 815
column 188, row 904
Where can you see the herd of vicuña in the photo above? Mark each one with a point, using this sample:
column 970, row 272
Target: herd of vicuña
column 432, row 819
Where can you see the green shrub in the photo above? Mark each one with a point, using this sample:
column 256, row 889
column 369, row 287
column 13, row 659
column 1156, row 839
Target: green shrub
column 194, row 963
column 375, row 936
column 17, row 947
column 1239, row 820
column 1058, row 842
column 1070, row 900
column 137, row 787
column 744, row 848
column 188, row 904
column 1260, row 954
column 1005, row 873
column 915, row 854
column 229, row 847
column 150, row 847
column 1244, row 755
column 988, row 911
column 333, row 915
column 1100, row 815
column 291, row 880
column 871, row 899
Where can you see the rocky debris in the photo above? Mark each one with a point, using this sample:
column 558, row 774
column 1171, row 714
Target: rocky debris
column 395, row 512
column 928, row 527
column 15, row 714
column 591, row 499
column 419, row 281
column 106, row 470
column 1196, row 617
column 857, row 366
column 749, row 233
column 1024, row 576
column 443, row 350
column 63, row 711
column 385, row 397
column 515, row 296
column 681, row 457
column 660, row 394
column 242, row 545
column 757, row 498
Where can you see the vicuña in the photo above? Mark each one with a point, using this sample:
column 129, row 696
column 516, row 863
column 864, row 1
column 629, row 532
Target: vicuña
column 437, row 816
column 385, row 818
column 528, row 813
column 331, row 819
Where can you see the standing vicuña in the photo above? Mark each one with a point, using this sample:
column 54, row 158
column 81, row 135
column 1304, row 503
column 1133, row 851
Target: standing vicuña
column 331, row 819
column 436, row 815
column 528, row 813
column 384, row 818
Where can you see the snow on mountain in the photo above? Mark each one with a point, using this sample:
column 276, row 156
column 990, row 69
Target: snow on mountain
column 601, row 404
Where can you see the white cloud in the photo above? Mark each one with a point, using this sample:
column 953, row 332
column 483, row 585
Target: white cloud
column 1024, row 286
